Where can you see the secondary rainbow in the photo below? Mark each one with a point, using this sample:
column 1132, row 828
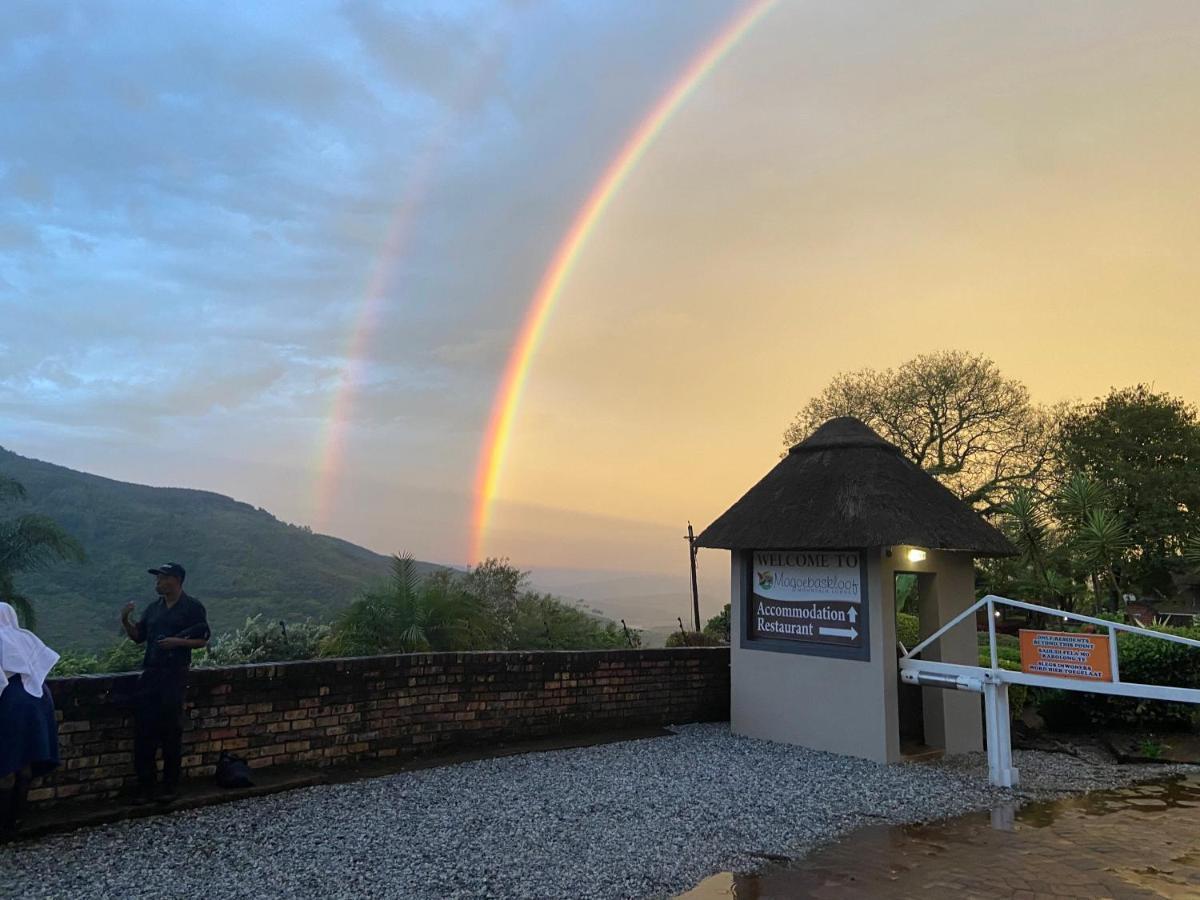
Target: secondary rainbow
column 331, row 449
column 516, row 371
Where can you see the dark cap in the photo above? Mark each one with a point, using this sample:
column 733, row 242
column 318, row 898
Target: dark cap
column 169, row 569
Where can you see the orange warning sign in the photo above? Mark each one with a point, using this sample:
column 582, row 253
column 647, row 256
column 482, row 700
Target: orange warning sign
column 1066, row 655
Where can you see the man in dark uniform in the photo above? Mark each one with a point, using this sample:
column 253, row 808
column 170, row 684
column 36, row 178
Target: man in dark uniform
column 171, row 628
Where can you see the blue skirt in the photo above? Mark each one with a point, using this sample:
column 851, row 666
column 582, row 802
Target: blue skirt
column 28, row 732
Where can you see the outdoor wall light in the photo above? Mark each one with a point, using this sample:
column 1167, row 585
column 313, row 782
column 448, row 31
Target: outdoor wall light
column 915, row 555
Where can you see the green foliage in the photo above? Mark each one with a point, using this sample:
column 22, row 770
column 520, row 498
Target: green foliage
column 411, row 614
column 29, row 542
column 1008, row 651
column 907, row 594
column 123, row 656
column 263, row 641
column 1150, row 748
column 488, row 608
column 542, row 622
column 241, row 561
column 717, row 627
column 1068, row 540
column 908, row 630
column 1142, row 660
column 256, row 641
column 1143, row 449
column 1191, row 552
column 692, row 639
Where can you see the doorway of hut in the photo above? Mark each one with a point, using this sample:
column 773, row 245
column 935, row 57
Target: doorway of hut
column 914, row 621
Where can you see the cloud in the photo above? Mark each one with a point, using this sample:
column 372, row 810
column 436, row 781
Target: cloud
column 202, row 208
column 425, row 49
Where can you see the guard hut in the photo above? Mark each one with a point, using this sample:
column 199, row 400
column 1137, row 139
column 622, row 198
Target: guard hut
column 816, row 548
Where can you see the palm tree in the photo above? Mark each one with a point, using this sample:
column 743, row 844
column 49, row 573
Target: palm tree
column 27, row 542
column 1098, row 535
column 1102, row 539
column 411, row 614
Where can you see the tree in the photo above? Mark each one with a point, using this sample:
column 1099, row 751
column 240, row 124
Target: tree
column 27, row 542
column 411, row 614
column 542, row 622
column 953, row 414
column 1069, row 541
column 498, row 585
column 718, row 626
column 1143, row 450
column 1099, row 540
column 1045, row 570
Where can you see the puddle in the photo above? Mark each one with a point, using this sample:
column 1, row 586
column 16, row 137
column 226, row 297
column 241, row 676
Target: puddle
column 1137, row 841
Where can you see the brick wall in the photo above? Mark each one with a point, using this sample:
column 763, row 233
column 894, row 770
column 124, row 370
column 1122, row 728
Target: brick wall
column 329, row 712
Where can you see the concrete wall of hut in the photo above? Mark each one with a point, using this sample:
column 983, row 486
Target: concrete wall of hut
column 946, row 586
column 851, row 706
column 839, row 705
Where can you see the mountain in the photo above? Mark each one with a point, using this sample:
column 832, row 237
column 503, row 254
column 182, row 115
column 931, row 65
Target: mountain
column 240, row 560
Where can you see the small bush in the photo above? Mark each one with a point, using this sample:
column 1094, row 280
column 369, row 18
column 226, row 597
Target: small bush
column 259, row 641
column 908, row 630
column 123, row 656
column 1141, row 660
column 692, row 639
column 718, row 626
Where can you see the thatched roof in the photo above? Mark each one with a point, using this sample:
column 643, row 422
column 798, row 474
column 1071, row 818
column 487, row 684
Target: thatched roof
column 846, row 487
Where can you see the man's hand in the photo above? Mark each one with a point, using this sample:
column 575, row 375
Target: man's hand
column 131, row 628
column 170, row 643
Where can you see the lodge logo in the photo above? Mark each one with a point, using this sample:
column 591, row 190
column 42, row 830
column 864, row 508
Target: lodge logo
column 766, row 580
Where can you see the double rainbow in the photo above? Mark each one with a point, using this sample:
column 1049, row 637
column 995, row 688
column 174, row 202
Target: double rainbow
column 516, row 371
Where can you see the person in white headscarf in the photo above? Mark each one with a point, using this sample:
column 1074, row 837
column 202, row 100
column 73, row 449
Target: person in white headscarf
column 28, row 731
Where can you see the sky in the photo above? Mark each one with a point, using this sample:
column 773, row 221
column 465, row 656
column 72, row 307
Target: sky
column 283, row 251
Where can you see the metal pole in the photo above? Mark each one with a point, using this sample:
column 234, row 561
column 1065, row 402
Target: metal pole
column 1008, row 775
column 992, row 726
column 991, row 614
column 1112, row 654
column 691, row 539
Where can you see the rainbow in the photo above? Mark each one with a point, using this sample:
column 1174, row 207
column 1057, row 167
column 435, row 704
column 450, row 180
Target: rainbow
column 331, row 446
column 516, row 371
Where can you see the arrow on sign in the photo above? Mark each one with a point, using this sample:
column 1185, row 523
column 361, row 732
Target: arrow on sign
column 850, row 632
column 853, row 615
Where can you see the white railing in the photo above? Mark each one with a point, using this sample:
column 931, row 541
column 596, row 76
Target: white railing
column 993, row 682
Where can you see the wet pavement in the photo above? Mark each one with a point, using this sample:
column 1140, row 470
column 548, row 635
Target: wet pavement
column 1139, row 841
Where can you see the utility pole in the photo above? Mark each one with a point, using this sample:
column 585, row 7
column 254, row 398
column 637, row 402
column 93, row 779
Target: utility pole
column 691, row 539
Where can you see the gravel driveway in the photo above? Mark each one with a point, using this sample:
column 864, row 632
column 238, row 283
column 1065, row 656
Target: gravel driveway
column 644, row 818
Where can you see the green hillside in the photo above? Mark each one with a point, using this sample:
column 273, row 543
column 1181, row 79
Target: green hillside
column 240, row 560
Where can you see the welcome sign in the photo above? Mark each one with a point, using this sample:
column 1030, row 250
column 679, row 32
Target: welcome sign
column 808, row 601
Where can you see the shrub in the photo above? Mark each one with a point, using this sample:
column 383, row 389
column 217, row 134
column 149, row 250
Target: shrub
column 1141, row 660
column 718, row 626
column 908, row 630
column 123, row 656
column 259, row 641
column 541, row 622
column 1008, row 650
column 692, row 639
column 411, row 614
